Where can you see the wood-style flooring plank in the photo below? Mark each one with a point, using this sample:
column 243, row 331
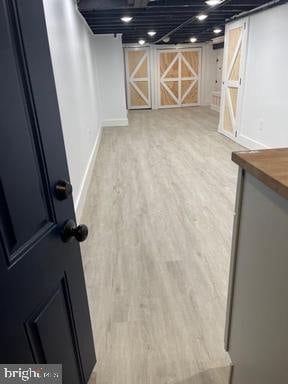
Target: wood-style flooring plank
column 160, row 214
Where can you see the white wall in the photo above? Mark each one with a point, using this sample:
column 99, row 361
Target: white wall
column 110, row 66
column 208, row 74
column 218, row 69
column 73, row 59
column 264, row 114
column 217, row 79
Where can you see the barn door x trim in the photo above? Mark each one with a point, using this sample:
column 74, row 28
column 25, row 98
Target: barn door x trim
column 233, row 74
column 138, row 78
column 178, row 77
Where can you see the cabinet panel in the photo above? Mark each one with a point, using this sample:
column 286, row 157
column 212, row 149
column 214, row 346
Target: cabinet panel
column 259, row 316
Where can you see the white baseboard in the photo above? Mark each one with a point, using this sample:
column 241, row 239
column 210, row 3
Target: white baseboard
column 215, row 108
column 250, row 143
column 115, row 123
column 81, row 199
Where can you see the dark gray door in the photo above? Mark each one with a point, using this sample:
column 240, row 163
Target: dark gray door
column 44, row 311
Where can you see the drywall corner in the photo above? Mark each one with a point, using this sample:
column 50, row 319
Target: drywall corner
column 110, row 67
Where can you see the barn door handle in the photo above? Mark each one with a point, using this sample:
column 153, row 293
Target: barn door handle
column 70, row 230
column 63, row 189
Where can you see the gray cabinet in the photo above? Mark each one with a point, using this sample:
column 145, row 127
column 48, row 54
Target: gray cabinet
column 257, row 312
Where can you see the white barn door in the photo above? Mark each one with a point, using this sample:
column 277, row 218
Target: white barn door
column 234, row 59
column 178, row 77
column 137, row 62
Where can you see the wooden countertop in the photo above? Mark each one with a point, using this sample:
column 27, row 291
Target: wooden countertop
column 269, row 166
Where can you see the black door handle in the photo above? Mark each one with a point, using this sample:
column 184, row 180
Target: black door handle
column 63, row 189
column 70, row 230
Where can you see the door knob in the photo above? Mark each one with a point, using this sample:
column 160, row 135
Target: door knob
column 70, row 229
column 63, row 189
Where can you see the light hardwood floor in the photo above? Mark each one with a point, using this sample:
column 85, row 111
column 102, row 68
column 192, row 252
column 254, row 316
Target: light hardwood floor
column 160, row 213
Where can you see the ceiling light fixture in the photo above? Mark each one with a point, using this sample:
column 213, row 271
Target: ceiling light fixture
column 151, row 33
column 141, row 42
column 217, row 30
column 126, row 19
column 193, row 39
column 166, row 39
column 202, row 17
column 212, row 3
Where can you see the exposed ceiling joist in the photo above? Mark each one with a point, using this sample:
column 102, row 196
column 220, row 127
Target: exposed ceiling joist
column 174, row 19
column 97, row 5
column 189, row 21
column 141, row 3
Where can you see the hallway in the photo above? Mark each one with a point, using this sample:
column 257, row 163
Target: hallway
column 160, row 213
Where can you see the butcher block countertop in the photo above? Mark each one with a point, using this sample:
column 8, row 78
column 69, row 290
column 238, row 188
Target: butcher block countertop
column 269, row 166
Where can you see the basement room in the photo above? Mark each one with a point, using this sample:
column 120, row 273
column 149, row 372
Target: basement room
column 149, row 243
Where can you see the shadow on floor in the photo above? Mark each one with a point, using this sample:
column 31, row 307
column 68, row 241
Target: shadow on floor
column 92, row 378
column 220, row 375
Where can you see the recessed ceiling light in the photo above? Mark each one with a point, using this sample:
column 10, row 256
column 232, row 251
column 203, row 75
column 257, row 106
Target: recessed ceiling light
column 202, row 17
column 212, row 3
column 193, row 39
column 141, row 42
column 151, row 33
column 217, row 30
column 126, row 19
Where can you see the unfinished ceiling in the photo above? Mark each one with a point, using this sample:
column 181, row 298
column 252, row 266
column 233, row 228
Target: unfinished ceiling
column 175, row 19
